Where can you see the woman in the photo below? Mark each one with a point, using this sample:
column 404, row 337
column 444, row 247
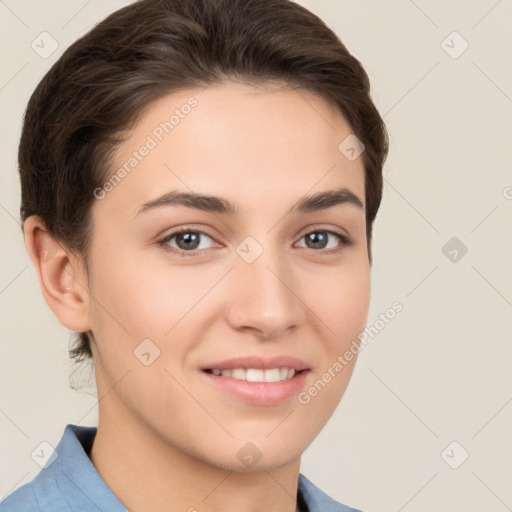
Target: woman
column 245, row 129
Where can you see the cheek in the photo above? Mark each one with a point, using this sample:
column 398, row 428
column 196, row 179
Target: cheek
column 165, row 299
column 341, row 299
column 165, row 304
column 143, row 299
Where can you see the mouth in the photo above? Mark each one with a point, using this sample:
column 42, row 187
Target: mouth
column 258, row 381
column 256, row 374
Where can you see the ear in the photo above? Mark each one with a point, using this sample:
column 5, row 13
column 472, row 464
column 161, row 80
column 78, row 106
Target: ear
column 61, row 276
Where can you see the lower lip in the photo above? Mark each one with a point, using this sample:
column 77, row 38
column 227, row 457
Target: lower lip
column 259, row 393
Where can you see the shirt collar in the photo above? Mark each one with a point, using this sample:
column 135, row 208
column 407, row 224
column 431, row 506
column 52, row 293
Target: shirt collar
column 75, row 475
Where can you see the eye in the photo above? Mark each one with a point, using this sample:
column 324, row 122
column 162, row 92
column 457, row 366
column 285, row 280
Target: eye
column 188, row 241
column 319, row 240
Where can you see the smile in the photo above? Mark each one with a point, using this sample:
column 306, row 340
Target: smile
column 256, row 374
column 259, row 392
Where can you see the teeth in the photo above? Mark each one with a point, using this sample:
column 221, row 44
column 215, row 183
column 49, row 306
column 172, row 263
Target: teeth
column 272, row 375
column 257, row 374
column 253, row 375
column 238, row 373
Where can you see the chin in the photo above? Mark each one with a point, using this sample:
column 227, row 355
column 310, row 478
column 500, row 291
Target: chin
column 254, row 457
column 266, row 463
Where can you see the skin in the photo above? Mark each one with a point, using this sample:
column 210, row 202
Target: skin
column 165, row 436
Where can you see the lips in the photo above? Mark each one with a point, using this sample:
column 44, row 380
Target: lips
column 254, row 379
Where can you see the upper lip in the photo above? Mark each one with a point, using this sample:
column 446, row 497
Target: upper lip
column 259, row 362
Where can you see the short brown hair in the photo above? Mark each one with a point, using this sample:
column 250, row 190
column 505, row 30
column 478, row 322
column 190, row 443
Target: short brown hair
column 99, row 87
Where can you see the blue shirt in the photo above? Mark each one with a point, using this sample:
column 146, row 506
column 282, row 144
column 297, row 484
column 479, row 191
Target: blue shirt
column 70, row 483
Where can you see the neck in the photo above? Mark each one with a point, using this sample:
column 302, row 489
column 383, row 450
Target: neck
column 147, row 474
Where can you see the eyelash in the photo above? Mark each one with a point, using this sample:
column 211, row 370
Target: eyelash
column 345, row 241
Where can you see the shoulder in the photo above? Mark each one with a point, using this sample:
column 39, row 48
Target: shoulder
column 50, row 489
column 41, row 494
column 315, row 500
column 20, row 500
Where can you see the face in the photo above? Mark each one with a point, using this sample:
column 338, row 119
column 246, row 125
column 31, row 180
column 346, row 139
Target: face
column 194, row 295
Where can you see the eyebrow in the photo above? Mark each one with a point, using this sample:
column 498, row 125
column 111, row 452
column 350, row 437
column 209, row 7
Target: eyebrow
column 315, row 202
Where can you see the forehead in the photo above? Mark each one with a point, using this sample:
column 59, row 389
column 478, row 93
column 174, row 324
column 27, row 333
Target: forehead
column 255, row 145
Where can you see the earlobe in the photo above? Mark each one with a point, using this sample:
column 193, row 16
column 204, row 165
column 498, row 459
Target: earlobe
column 61, row 276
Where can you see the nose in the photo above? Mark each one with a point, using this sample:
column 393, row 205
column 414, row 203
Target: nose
column 266, row 296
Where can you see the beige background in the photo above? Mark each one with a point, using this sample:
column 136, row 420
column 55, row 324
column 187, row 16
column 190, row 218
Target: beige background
column 441, row 370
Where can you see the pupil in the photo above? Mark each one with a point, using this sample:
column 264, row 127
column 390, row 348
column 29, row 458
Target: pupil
column 187, row 238
column 317, row 238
